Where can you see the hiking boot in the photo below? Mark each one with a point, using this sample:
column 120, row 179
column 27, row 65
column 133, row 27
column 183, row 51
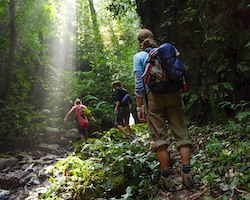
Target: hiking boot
column 187, row 180
column 168, row 184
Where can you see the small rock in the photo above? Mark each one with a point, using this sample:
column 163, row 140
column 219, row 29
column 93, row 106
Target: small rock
column 27, row 158
column 9, row 182
column 35, row 180
column 24, row 167
column 49, row 157
column 37, row 154
column 4, row 194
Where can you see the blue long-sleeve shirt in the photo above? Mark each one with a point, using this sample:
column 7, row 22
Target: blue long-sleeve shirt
column 139, row 64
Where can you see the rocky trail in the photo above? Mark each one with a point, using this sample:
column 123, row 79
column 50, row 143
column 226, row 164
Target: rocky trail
column 20, row 170
column 20, row 174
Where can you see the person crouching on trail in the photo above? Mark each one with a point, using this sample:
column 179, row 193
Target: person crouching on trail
column 122, row 110
column 79, row 107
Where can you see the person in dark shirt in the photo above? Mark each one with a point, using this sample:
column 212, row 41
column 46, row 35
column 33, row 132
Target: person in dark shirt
column 122, row 110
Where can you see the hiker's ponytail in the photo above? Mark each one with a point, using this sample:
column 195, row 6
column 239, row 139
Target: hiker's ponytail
column 148, row 43
column 146, row 37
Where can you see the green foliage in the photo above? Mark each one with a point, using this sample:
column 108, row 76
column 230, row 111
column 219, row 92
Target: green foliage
column 225, row 85
column 213, row 45
column 112, row 62
column 226, row 150
column 120, row 8
column 72, row 50
column 217, row 112
column 19, row 121
column 191, row 100
column 243, row 67
column 238, row 107
column 188, row 15
column 22, row 110
column 48, row 38
column 114, row 164
column 240, row 116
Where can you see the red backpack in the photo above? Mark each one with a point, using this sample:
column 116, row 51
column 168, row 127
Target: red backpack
column 83, row 123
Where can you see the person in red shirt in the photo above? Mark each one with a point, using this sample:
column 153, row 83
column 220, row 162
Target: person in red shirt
column 79, row 107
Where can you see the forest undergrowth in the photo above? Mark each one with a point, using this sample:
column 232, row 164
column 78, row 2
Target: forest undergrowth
column 114, row 167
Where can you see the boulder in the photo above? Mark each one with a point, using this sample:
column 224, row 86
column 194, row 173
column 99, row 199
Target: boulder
column 72, row 134
column 7, row 162
column 49, row 147
column 64, row 142
column 51, row 135
column 52, row 139
column 51, row 131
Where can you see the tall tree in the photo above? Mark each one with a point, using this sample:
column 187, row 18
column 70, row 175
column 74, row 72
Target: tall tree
column 11, row 57
column 98, row 38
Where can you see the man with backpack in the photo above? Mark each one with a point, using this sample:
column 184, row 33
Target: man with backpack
column 162, row 93
column 122, row 108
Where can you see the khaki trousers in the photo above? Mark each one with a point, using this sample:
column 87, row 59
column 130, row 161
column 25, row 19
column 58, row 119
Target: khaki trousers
column 162, row 107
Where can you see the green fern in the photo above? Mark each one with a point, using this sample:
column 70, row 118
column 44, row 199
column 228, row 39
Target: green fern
column 243, row 67
column 225, row 85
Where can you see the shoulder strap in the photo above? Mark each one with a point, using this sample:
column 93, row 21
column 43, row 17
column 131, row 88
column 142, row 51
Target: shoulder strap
column 146, row 95
column 124, row 92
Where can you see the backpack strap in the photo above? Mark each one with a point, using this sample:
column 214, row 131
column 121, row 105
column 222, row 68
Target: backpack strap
column 146, row 95
column 150, row 61
column 145, row 92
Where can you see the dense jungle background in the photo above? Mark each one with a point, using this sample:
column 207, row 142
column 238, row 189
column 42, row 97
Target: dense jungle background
column 52, row 52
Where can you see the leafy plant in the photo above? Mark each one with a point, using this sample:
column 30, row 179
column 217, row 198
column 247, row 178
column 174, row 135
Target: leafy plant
column 226, row 153
column 112, row 163
column 238, row 107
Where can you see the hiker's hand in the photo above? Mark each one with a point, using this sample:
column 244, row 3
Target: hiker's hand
column 115, row 112
column 65, row 120
column 183, row 105
column 141, row 115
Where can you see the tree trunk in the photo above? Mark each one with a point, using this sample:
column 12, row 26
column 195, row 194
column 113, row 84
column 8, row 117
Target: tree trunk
column 10, row 62
column 93, row 14
column 98, row 38
column 37, row 89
